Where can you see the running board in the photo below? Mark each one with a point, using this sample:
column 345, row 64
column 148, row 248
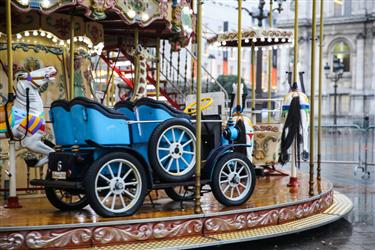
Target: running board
column 76, row 185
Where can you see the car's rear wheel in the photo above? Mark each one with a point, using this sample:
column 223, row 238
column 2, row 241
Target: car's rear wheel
column 116, row 185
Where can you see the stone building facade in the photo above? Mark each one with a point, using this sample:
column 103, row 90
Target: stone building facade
column 349, row 34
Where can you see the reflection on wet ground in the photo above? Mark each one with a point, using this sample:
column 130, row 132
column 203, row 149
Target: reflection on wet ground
column 356, row 231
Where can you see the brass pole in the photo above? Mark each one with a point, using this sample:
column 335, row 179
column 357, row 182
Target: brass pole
column 112, row 90
column 9, row 47
column 136, row 66
column 108, row 83
column 197, row 202
column 269, row 69
column 321, row 27
column 295, row 63
column 253, row 76
column 71, row 96
column 313, row 44
column 239, row 46
column 157, row 68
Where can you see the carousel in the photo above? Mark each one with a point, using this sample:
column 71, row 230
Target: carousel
column 95, row 111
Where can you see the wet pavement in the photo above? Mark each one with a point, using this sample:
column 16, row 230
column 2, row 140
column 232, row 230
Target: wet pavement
column 355, row 231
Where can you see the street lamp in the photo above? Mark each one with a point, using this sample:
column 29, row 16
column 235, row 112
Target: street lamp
column 338, row 71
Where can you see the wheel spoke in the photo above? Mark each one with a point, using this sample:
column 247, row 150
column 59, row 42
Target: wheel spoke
column 122, row 201
column 126, row 175
column 187, row 152
column 106, row 197
column 173, row 135
column 226, row 189
column 113, row 201
column 170, row 164
column 165, row 157
column 187, row 143
column 244, row 176
column 242, row 185
column 104, row 177
column 183, row 159
column 103, row 188
column 163, row 149
column 129, row 194
column 224, row 181
column 223, row 172
column 119, row 170
column 238, row 191
column 110, row 170
column 235, row 167
column 178, row 166
column 239, row 171
column 181, row 136
column 131, row 183
column 166, row 139
column 229, row 168
column 231, row 192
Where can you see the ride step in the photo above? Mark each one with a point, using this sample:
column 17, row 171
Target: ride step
column 60, row 184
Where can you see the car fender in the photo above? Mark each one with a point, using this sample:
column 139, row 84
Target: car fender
column 218, row 153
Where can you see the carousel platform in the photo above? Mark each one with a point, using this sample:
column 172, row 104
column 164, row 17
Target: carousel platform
column 273, row 210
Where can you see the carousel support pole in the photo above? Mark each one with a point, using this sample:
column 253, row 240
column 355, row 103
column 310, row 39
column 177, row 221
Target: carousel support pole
column 136, row 42
column 157, row 68
column 312, row 95
column 239, row 46
column 71, row 96
column 197, row 202
column 109, row 84
column 293, row 180
column 321, row 32
column 12, row 201
column 269, row 69
column 253, row 81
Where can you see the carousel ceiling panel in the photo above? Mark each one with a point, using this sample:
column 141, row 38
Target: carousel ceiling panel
column 258, row 37
column 140, row 12
column 57, row 24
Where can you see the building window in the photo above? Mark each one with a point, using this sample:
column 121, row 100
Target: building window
column 341, row 50
column 338, row 7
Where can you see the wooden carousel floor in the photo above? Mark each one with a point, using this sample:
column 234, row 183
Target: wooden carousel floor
column 269, row 192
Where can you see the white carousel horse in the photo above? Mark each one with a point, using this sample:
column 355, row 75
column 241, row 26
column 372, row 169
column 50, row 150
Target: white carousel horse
column 295, row 119
column 141, row 86
column 29, row 130
column 248, row 126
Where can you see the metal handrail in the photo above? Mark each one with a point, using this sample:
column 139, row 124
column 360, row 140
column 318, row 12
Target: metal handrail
column 209, row 74
column 173, row 85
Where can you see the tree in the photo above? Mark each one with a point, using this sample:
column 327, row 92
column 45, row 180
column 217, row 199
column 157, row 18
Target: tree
column 227, row 82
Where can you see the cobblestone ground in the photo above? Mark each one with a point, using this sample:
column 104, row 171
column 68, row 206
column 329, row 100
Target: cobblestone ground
column 355, row 231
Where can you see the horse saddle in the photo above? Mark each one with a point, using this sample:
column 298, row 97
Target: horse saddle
column 3, row 116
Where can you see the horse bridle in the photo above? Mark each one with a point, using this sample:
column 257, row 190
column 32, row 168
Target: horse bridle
column 31, row 79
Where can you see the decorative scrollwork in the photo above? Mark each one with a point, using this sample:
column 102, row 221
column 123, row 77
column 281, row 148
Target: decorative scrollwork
column 11, row 241
column 128, row 233
column 266, row 218
column 164, row 229
column 50, row 240
column 161, row 230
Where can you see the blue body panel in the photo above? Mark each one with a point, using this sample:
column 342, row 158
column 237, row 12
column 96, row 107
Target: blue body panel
column 90, row 124
column 62, row 126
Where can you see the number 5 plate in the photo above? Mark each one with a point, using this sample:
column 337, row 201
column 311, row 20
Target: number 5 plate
column 58, row 175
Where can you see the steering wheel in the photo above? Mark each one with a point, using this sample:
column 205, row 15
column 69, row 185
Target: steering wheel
column 205, row 103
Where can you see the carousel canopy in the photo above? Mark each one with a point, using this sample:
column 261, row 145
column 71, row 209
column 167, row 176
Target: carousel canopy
column 166, row 19
column 260, row 37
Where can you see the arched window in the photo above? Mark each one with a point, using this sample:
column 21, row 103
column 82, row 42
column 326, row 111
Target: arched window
column 341, row 50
